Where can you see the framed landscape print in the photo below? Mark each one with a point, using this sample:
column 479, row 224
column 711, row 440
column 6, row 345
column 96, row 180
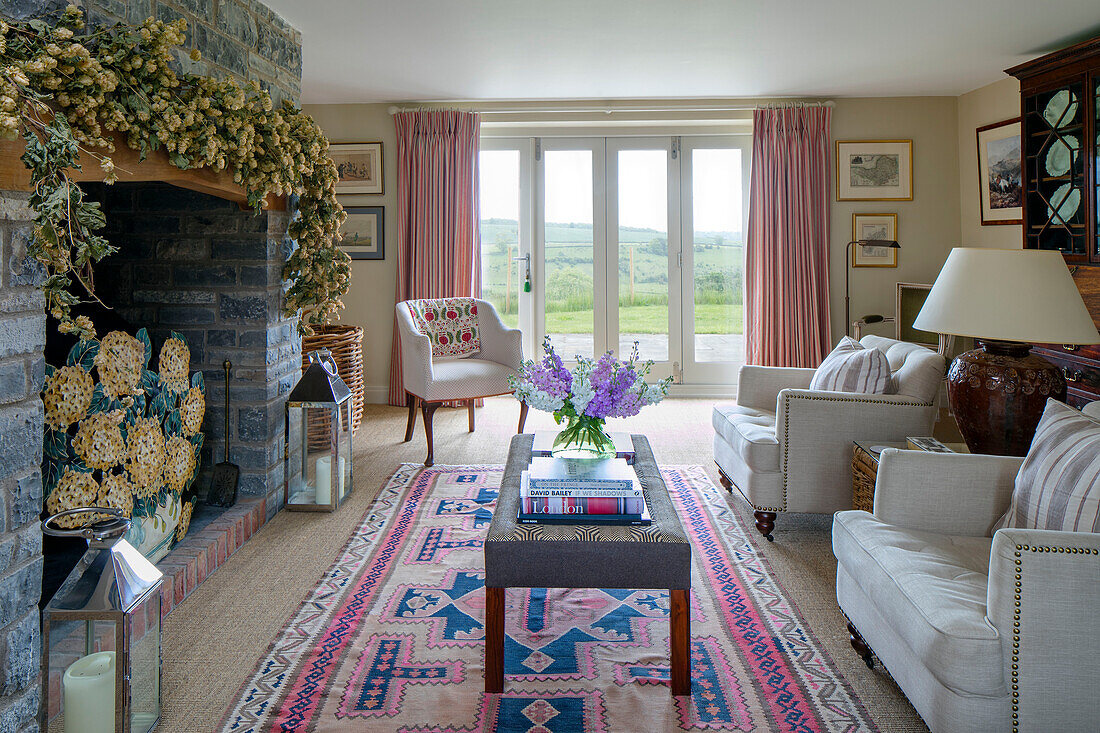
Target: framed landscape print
column 364, row 233
column 874, row 170
column 874, row 226
column 359, row 166
column 1000, row 171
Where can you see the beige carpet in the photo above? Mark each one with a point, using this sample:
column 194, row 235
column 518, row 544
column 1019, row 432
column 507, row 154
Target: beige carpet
column 214, row 639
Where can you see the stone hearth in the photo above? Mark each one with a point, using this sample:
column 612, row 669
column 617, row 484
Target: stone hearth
column 188, row 262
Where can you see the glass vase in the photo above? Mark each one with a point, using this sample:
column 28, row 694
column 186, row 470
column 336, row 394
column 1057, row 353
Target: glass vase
column 583, row 437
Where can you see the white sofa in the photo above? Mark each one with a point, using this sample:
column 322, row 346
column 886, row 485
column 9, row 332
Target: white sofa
column 788, row 448
column 981, row 633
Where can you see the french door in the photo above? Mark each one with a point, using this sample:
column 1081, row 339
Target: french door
column 626, row 240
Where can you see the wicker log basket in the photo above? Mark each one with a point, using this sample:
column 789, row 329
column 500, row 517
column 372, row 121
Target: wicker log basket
column 346, row 345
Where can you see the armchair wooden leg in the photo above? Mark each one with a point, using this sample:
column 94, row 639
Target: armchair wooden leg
column 470, row 411
column 410, row 401
column 765, row 522
column 860, row 646
column 522, row 416
column 428, row 410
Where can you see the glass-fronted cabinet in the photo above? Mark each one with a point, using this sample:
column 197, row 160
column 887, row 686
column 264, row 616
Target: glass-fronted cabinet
column 1059, row 111
column 1053, row 131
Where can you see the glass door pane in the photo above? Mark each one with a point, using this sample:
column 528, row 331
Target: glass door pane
column 499, row 210
column 642, row 238
column 572, row 239
column 715, row 208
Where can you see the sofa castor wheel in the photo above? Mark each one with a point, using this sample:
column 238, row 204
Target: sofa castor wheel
column 769, row 538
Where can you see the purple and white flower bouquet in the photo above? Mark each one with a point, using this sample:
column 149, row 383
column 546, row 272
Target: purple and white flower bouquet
column 585, row 397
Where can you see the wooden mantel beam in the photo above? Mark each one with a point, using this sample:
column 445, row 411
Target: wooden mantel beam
column 14, row 176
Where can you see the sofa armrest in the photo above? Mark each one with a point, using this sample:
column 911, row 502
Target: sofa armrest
column 950, row 493
column 815, row 430
column 1043, row 595
column 498, row 342
column 416, row 354
column 759, row 386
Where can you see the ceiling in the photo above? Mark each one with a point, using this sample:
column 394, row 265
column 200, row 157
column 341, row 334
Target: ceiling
column 415, row 50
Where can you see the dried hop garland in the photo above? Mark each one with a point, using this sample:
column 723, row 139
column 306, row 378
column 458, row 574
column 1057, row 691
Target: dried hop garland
column 192, row 411
column 67, row 396
column 67, row 89
column 185, row 520
column 180, row 463
column 175, row 364
column 116, row 492
column 118, row 364
column 75, row 489
column 99, row 441
column 146, row 456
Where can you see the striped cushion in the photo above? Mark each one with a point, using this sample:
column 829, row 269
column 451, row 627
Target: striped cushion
column 852, row 368
column 1058, row 486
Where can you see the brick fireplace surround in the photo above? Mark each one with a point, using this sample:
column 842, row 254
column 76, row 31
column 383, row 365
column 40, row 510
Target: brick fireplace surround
column 187, row 262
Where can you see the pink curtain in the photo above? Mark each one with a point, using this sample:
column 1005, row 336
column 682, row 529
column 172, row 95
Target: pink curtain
column 438, row 247
column 787, row 256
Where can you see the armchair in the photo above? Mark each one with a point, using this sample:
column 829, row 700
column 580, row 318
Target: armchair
column 981, row 633
column 431, row 379
column 788, row 448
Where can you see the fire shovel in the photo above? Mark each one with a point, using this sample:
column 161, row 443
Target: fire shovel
column 223, row 486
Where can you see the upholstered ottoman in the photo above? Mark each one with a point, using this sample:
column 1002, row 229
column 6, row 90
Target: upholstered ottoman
column 586, row 556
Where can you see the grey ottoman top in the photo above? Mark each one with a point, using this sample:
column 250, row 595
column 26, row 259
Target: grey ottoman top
column 586, row 556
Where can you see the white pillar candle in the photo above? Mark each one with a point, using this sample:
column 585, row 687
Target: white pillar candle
column 88, row 692
column 323, row 475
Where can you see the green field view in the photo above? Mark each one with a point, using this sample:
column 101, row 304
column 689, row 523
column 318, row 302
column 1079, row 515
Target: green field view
column 643, row 278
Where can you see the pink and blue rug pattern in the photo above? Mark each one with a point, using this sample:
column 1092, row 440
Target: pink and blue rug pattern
column 392, row 638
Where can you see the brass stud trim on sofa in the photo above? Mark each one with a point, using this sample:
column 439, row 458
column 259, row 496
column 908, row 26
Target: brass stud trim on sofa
column 1016, row 616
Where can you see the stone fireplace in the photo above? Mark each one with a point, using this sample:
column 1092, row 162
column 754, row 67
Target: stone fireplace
column 187, row 262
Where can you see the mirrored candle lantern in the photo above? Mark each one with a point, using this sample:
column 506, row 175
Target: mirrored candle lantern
column 101, row 632
column 318, row 437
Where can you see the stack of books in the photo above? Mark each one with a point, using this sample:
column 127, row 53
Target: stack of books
column 567, row 491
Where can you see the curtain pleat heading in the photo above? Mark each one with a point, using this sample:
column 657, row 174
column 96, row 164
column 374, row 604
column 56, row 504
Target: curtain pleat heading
column 438, row 245
column 787, row 252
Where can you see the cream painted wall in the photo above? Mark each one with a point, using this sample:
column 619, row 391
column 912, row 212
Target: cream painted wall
column 983, row 106
column 369, row 302
column 928, row 226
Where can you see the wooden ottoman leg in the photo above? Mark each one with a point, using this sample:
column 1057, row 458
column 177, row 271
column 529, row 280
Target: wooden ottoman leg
column 725, row 481
column 429, row 408
column 522, row 417
column 765, row 522
column 494, row 639
column 470, row 411
column 410, row 401
column 678, row 640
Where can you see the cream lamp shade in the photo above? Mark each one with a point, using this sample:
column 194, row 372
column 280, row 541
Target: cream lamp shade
column 1024, row 295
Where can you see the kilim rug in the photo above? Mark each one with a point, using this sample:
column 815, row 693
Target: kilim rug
column 392, row 637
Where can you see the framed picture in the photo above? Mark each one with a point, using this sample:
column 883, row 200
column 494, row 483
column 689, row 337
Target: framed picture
column 874, row 170
column 359, row 166
column 364, row 233
column 1000, row 170
column 911, row 297
column 874, row 226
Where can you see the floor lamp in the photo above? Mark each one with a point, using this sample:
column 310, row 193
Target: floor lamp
column 848, row 271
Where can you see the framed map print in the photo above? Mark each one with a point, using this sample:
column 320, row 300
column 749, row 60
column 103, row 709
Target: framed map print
column 881, row 227
column 874, row 170
column 359, row 166
column 364, row 233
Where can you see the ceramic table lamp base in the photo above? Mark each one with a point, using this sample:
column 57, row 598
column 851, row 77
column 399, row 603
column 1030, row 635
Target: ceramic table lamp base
column 998, row 393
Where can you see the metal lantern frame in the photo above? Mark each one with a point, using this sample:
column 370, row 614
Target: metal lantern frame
column 109, row 584
column 319, row 388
